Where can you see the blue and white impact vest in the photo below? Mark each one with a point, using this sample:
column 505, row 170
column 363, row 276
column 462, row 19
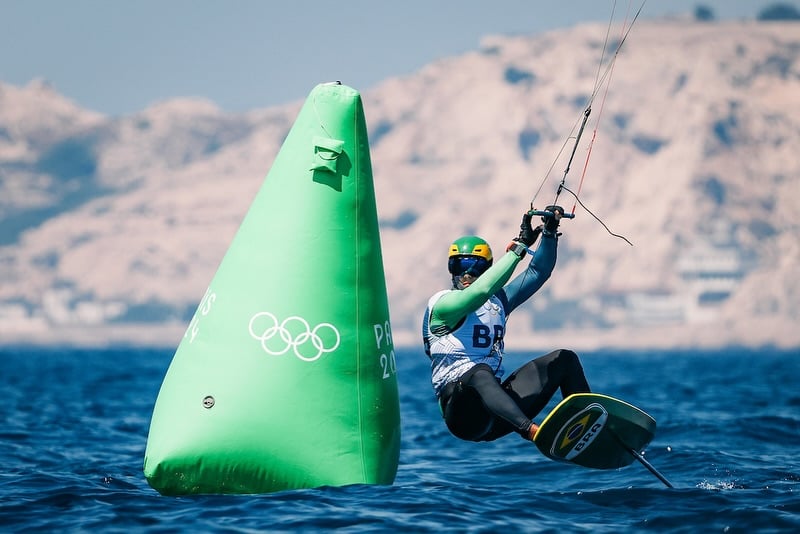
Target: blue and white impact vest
column 477, row 339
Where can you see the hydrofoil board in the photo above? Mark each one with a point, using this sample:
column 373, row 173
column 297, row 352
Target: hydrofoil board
column 595, row 431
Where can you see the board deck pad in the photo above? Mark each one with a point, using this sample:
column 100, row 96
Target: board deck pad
column 595, row 431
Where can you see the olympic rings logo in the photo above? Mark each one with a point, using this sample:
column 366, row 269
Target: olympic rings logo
column 293, row 333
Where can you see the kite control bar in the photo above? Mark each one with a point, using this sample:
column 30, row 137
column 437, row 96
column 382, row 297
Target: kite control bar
column 545, row 213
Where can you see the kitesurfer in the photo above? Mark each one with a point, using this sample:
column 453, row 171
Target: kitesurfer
column 463, row 332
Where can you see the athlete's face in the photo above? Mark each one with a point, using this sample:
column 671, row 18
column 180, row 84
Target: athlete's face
column 470, row 267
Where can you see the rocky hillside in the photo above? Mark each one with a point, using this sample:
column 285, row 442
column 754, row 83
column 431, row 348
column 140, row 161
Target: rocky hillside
column 111, row 228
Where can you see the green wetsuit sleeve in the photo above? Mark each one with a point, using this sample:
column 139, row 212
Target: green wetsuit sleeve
column 456, row 305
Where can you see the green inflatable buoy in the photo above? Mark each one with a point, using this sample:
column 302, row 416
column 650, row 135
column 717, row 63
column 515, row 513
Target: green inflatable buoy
column 286, row 375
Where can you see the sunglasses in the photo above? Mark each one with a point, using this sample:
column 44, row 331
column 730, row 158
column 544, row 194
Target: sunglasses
column 472, row 265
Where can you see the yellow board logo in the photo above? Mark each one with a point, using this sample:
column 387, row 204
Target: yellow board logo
column 574, row 432
column 579, row 432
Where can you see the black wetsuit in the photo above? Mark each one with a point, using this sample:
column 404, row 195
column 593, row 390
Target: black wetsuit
column 478, row 407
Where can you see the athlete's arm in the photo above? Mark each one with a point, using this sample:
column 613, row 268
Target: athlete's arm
column 456, row 305
column 531, row 279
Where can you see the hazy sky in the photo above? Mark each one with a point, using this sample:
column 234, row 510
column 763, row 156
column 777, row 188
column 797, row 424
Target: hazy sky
column 119, row 56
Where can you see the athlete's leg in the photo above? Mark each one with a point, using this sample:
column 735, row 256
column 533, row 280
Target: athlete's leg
column 499, row 403
column 534, row 384
column 480, row 410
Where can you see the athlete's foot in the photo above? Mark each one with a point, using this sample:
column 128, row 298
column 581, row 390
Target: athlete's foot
column 532, row 431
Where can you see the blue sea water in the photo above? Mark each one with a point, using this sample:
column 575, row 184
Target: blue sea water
column 75, row 423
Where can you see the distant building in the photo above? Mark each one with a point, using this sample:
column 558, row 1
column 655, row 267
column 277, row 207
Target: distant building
column 710, row 275
column 710, row 270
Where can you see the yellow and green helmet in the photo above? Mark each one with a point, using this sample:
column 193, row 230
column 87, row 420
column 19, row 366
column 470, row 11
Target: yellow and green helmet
column 469, row 255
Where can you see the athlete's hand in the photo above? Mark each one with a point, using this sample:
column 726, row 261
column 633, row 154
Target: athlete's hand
column 528, row 235
column 551, row 222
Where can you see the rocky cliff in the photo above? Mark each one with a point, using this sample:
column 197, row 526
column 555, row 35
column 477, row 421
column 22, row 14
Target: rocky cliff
column 111, row 227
